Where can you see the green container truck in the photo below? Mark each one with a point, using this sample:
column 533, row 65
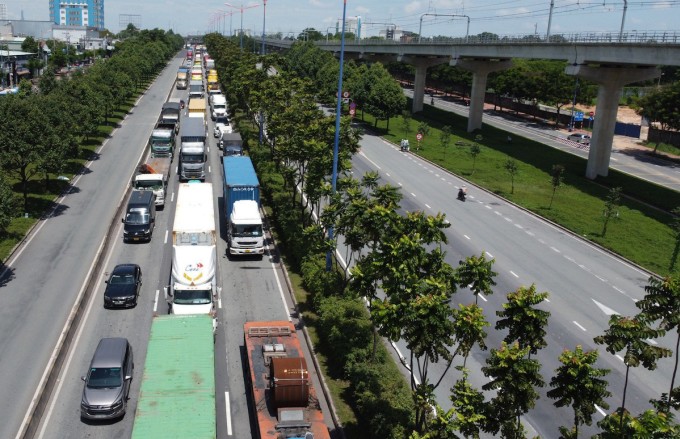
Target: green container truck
column 177, row 398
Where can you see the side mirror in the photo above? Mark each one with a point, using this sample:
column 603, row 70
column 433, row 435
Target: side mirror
column 106, row 281
column 128, row 377
column 153, row 220
column 84, row 378
column 167, row 292
column 122, row 220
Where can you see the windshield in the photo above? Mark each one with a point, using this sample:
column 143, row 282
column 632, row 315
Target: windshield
column 246, row 230
column 160, row 141
column 192, row 158
column 148, row 184
column 221, row 119
column 136, row 217
column 192, row 297
column 219, row 106
column 104, row 377
column 122, row 279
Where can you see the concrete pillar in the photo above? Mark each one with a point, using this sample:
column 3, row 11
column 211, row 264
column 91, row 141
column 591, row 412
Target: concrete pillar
column 611, row 80
column 419, row 88
column 480, row 71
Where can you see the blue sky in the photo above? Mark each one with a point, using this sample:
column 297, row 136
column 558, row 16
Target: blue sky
column 504, row 17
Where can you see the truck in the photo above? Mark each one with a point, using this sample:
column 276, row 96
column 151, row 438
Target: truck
column 231, row 144
column 194, row 251
column 218, row 106
column 195, row 89
column 283, row 395
column 162, row 139
column 153, row 175
column 170, row 113
column 182, row 79
column 177, row 395
column 197, row 108
column 242, row 207
column 209, row 64
column 192, row 154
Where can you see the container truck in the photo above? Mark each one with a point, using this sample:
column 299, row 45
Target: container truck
column 242, row 207
column 283, row 396
column 181, row 81
column 192, row 154
column 195, row 88
column 197, row 108
column 177, row 395
column 153, row 176
column 170, row 112
column 194, row 252
column 162, row 140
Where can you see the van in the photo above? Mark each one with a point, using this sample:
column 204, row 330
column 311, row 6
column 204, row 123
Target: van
column 107, row 383
column 140, row 216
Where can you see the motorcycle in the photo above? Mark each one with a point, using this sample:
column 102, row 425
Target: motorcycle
column 461, row 194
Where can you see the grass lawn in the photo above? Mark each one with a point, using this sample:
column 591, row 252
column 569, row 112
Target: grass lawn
column 641, row 233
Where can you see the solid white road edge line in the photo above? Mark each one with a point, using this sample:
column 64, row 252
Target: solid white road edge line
column 155, row 301
column 55, row 396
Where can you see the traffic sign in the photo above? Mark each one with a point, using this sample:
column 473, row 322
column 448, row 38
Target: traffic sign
column 578, row 116
column 592, row 113
column 419, row 136
column 352, row 112
column 345, row 94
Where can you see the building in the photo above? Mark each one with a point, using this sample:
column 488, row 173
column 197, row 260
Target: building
column 77, row 13
column 352, row 26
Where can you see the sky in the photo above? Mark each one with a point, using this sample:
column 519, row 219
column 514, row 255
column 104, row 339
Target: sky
column 502, row 17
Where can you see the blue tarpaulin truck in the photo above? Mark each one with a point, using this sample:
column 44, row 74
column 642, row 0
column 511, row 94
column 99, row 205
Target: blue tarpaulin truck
column 242, row 207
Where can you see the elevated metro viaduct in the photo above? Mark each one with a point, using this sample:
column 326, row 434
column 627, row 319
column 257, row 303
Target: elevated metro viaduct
column 610, row 64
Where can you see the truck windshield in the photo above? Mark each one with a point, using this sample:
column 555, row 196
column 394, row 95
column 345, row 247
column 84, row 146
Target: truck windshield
column 192, row 297
column 136, row 217
column 192, row 158
column 148, row 185
column 246, row 230
column 161, row 142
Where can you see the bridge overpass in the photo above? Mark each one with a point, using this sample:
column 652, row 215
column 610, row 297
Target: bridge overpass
column 609, row 60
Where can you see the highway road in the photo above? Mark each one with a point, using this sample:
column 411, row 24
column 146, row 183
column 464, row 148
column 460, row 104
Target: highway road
column 661, row 172
column 252, row 289
column 585, row 283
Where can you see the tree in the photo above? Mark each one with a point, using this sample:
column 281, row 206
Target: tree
column 577, row 383
column 630, row 334
column 8, row 205
column 512, row 169
column 469, row 323
column 514, row 378
column 468, row 407
column 445, row 137
column 611, row 206
column 557, row 175
column 525, row 323
column 475, row 150
column 386, row 98
column 476, row 273
column 675, row 231
column 661, row 106
column 406, row 120
column 662, row 304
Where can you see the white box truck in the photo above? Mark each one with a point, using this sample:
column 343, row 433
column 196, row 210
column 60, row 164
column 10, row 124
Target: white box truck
column 194, row 251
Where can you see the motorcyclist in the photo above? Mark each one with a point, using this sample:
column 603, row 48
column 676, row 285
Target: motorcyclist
column 462, row 193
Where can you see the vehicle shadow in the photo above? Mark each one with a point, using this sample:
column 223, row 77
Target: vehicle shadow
column 650, row 157
column 6, row 274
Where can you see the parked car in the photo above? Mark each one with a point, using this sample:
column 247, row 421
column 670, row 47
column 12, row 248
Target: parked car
column 122, row 287
column 107, row 383
column 579, row 138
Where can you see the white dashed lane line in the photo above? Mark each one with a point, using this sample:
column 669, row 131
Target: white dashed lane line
column 513, row 273
column 579, row 326
column 428, row 206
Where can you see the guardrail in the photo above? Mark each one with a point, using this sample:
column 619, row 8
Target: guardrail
column 630, row 37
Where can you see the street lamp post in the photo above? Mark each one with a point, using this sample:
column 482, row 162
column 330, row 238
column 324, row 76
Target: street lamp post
column 264, row 20
column 336, row 142
column 241, row 8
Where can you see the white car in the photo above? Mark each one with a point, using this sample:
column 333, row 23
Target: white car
column 579, row 138
column 221, row 127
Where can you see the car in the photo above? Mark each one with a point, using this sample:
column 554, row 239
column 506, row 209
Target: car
column 122, row 286
column 221, row 126
column 107, row 383
column 579, row 138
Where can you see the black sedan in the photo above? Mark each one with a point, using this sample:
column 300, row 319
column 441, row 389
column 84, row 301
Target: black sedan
column 122, row 287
